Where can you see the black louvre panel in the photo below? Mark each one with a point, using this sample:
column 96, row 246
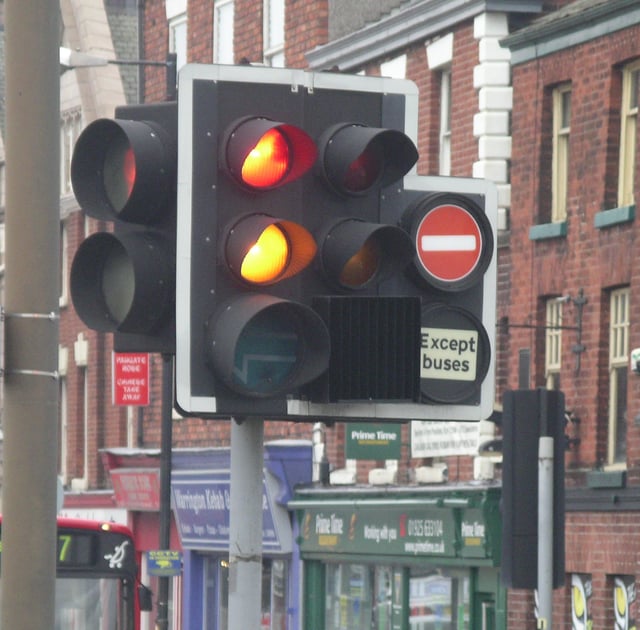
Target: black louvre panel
column 375, row 348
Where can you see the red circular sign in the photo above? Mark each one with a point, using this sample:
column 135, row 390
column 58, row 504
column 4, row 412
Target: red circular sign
column 449, row 243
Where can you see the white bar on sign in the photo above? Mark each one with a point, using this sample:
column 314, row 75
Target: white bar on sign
column 448, row 243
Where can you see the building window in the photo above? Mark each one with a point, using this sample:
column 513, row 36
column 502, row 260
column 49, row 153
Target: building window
column 70, row 127
column 64, row 266
column 560, row 159
column 178, row 38
column 553, row 343
column 223, row 32
column 628, row 125
column 444, row 167
column 63, row 429
column 618, row 368
column 274, row 33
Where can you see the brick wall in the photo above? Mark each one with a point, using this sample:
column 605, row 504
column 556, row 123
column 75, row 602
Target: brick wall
column 589, row 258
column 592, row 259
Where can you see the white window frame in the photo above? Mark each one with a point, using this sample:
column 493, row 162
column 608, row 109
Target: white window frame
column 273, row 44
column 63, row 420
column 223, row 11
column 64, row 265
column 444, row 159
column 618, row 367
column 560, row 158
column 70, row 128
column 628, row 126
column 178, row 38
column 553, row 342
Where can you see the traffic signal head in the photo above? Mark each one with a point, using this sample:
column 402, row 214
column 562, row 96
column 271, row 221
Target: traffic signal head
column 260, row 250
column 262, row 154
column 297, row 292
column 124, row 169
column 123, row 281
column 356, row 253
column 355, row 158
column 291, row 338
column 451, row 223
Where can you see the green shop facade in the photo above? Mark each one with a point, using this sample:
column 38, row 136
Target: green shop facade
column 394, row 558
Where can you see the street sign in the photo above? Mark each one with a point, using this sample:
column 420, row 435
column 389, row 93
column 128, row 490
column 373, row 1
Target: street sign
column 454, row 355
column 164, row 562
column 130, row 378
column 449, row 242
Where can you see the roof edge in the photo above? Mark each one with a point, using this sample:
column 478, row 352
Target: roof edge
column 404, row 26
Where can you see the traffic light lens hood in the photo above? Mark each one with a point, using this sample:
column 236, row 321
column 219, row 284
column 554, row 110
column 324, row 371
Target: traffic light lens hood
column 123, row 283
column 355, row 253
column 262, row 346
column 356, row 159
column 261, row 154
column 278, row 249
column 121, row 169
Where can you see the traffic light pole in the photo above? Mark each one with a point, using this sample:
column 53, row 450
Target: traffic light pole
column 545, row 533
column 245, row 523
column 27, row 596
column 162, row 619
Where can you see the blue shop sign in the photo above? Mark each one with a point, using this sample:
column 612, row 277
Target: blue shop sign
column 201, row 500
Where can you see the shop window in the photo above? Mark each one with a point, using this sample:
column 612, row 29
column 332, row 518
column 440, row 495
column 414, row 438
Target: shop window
column 274, row 607
column 438, row 600
column 275, row 580
column 618, row 369
column 349, row 597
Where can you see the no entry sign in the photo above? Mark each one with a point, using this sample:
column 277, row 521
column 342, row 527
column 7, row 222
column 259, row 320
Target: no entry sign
column 449, row 243
column 453, row 242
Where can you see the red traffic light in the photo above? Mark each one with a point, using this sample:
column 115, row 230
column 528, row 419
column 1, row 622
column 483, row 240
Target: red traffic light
column 355, row 253
column 261, row 250
column 261, row 154
column 356, row 159
column 122, row 169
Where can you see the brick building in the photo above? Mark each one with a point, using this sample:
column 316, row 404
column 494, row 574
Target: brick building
column 574, row 184
column 550, row 117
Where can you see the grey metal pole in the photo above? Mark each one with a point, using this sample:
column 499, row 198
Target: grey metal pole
column 27, row 595
column 245, row 523
column 545, row 533
column 162, row 619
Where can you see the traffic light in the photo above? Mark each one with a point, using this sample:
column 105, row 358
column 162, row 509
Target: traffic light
column 123, row 173
column 297, row 289
column 527, row 416
column 451, row 222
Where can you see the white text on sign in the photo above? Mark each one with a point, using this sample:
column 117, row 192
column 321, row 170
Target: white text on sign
column 448, row 354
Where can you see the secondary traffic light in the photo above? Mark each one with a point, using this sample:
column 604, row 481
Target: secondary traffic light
column 452, row 223
column 527, row 416
column 297, row 293
column 123, row 171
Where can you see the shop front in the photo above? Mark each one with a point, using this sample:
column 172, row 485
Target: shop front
column 200, row 487
column 401, row 559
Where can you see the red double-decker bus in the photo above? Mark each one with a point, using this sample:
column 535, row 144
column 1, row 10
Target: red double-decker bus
column 97, row 583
